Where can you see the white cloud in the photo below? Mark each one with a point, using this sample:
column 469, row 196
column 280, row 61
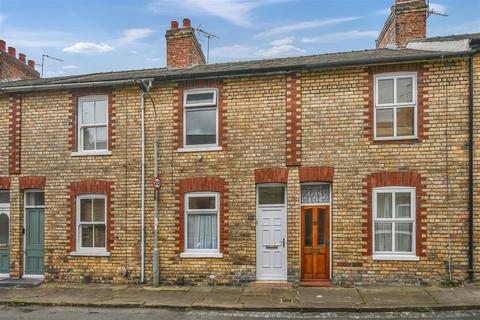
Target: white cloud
column 238, row 12
column 437, row 7
column 340, row 36
column 69, row 67
column 304, row 25
column 284, row 50
column 280, row 42
column 88, row 47
column 277, row 49
column 134, row 34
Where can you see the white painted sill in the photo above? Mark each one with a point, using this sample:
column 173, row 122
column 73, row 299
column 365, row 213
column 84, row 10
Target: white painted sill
column 395, row 138
column 199, row 149
column 90, row 254
column 395, row 257
column 216, row 255
column 91, row 153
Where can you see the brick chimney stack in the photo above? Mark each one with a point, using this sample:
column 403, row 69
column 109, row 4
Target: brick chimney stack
column 183, row 48
column 15, row 68
column 407, row 21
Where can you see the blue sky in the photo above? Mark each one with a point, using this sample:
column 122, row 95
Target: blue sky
column 105, row 35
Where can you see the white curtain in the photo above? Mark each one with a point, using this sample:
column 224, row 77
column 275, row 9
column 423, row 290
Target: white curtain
column 319, row 193
column 384, row 205
column 383, row 237
column 202, row 231
column 403, row 237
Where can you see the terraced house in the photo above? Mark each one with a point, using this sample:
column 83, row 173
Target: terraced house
column 346, row 168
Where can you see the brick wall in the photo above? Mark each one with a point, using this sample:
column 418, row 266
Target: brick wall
column 183, row 48
column 13, row 67
column 334, row 148
column 407, row 21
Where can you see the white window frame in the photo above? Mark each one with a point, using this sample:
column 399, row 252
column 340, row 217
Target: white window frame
column 89, row 251
column 201, row 253
column 395, row 105
column 204, row 106
column 394, row 255
column 80, row 126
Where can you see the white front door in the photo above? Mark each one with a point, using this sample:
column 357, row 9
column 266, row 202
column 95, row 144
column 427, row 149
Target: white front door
column 271, row 233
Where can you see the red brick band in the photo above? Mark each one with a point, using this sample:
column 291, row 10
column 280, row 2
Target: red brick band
column 212, row 184
column 294, row 132
column 271, row 175
column 15, row 132
column 5, row 183
column 90, row 187
column 32, row 182
column 221, row 109
column 393, row 179
column 314, row 174
column 421, row 101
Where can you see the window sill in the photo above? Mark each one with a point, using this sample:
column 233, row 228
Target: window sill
column 216, row 255
column 91, row 153
column 199, row 149
column 395, row 257
column 395, row 138
column 90, row 254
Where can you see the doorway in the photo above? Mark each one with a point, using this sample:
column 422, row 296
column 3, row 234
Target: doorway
column 34, row 233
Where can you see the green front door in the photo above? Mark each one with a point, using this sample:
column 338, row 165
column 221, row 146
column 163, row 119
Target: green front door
column 34, row 231
column 4, row 231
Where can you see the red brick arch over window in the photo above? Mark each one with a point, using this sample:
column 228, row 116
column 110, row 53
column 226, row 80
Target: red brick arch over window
column 393, row 179
column 316, row 174
column 211, row 184
column 4, row 183
column 90, row 187
column 32, row 182
column 271, row 175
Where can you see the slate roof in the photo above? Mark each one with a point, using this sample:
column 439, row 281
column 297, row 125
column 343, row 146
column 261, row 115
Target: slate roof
column 364, row 57
column 471, row 36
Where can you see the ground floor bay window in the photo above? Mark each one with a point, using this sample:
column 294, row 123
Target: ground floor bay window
column 394, row 223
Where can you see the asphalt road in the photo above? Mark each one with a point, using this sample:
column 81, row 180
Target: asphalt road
column 70, row 313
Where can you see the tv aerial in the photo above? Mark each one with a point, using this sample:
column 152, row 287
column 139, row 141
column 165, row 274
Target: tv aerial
column 431, row 11
column 207, row 35
column 48, row 57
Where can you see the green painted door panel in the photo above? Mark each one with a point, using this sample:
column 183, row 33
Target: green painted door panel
column 4, row 252
column 34, row 237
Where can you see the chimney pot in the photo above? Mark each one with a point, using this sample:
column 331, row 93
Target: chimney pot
column 187, row 23
column 3, row 45
column 31, row 64
column 174, row 25
column 22, row 57
column 12, row 51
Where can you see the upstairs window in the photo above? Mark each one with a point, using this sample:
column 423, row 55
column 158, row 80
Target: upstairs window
column 93, row 123
column 200, row 114
column 395, row 106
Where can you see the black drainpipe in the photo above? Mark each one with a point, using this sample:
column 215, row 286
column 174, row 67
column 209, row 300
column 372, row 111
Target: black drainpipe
column 470, row 174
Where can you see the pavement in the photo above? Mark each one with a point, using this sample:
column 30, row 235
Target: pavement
column 334, row 299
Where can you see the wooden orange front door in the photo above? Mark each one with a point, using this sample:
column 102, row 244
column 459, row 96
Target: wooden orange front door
column 315, row 242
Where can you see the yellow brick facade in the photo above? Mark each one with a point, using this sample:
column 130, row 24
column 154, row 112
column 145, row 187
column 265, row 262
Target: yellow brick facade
column 254, row 110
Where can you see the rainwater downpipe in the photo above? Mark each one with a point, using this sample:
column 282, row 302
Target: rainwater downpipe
column 471, row 271
column 142, row 186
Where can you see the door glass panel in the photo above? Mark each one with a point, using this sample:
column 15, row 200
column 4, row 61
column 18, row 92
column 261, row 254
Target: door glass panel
column 321, row 227
column 315, row 193
column 4, row 197
column 4, row 228
column 271, row 195
column 308, row 228
column 35, row 199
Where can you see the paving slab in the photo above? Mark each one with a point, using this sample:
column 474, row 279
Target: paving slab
column 396, row 297
column 455, row 296
column 249, row 291
column 252, row 302
column 219, row 297
column 329, row 297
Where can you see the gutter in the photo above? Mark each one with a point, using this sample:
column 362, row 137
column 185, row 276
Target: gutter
column 243, row 72
column 471, row 270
